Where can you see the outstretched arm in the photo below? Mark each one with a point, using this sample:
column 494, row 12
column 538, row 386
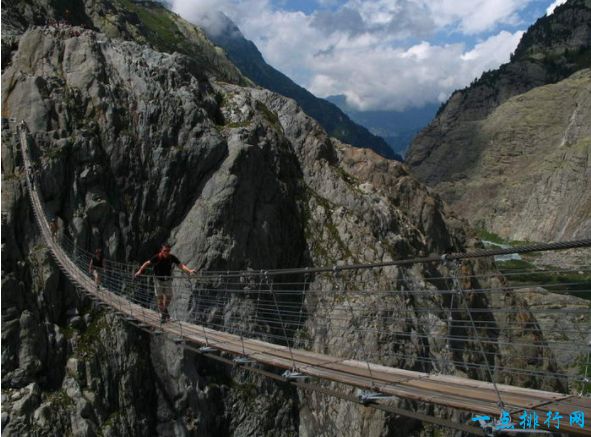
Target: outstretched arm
column 186, row 269
column 142, row 268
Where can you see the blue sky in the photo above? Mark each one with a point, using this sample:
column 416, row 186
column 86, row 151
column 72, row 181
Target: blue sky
column 380, row 54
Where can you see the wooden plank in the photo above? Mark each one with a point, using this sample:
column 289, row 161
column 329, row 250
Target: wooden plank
column 422, row 380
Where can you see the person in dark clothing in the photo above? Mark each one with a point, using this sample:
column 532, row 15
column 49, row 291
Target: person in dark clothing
column 162, row 264
column 54, row 228
column 97, row 263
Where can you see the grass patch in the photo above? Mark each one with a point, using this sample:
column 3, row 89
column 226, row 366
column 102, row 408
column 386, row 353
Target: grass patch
column 55, row 152
column 162, row 31
column 487, row 235
column 351, row 180
column 514, row 264
column 484, row 234
column 68, row 332
column 321, row 251
column 269, row 115
column 112, row 420
column 247, row 391
column 521, row 272
column 61, row 400
column 238, row 124
column 91, row 336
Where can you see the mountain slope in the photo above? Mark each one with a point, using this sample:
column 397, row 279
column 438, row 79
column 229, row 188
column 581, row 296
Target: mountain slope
column 453, row 152
column 144, row 22
column 245, row 55
column 151, row 23
column 532, row 179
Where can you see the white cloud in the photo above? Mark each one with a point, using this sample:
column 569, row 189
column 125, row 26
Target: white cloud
column 356, row 50
column 202, row 12
column 553, row 6
column 467, row 16
column 389, row 78
column 475, row 16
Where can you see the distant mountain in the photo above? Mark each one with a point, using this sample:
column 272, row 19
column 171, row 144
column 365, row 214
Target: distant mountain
column 245, row 55
column 512, row 152
column 398, row 128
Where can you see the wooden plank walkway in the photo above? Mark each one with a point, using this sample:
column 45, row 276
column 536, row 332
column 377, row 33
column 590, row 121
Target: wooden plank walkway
column 450, row 391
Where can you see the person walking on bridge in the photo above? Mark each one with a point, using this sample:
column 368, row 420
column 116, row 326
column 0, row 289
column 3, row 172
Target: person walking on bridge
column 54, row 228
column 97, row 263
column 162, row 265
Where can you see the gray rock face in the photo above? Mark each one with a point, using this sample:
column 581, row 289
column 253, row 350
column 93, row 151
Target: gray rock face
column 532, row 177
column 510, row 152
column 571, row 326
column 138, row 146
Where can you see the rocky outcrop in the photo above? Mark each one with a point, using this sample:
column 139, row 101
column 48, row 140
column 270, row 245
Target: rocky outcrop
column 146, row 22
column 508, row 152
column 572, row 325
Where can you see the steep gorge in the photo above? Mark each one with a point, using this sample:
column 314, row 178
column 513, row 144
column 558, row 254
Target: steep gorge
column 138, row 146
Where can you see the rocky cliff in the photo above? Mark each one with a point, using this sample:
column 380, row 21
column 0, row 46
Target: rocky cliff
column 151, row 23
column 511, row 152
column 137, row 146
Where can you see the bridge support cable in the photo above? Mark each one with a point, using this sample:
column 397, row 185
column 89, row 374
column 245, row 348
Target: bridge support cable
column 300, row 324
column 354, row 322
column 203, row 322
column 181, row 337
column 241, row 321
column 447, row 355
column 458, row 286
column 586, row 379
column 270, row 285
column 259, row 290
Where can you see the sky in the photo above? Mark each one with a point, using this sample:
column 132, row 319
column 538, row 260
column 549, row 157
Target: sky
column 379, row 54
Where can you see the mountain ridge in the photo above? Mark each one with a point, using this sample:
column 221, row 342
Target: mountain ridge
column 247, row 57
column 449, row 152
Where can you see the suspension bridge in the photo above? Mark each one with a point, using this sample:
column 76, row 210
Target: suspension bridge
column 264, row 319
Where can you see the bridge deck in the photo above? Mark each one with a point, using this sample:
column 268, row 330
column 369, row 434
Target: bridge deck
column 450, row 391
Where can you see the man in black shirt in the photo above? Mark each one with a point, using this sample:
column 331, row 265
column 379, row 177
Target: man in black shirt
column 162, row 265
